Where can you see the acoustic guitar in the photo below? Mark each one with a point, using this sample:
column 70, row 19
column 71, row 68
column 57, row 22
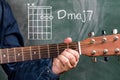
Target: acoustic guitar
column 108, row 45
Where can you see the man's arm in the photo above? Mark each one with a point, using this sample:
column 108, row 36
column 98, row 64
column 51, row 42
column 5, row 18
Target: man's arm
column 11, row 37
column 43, row 69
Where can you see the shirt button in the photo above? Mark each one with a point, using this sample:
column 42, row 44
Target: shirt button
column 48, row 71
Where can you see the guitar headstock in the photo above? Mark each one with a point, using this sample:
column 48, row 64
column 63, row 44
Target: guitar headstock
column 106, row 45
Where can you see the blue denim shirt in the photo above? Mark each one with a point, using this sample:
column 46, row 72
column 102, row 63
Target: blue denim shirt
column 10, row 37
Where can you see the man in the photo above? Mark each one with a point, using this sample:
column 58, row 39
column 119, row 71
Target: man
column 44, row 69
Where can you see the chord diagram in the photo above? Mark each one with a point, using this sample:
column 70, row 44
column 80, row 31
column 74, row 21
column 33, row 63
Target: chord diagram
column 40, row 22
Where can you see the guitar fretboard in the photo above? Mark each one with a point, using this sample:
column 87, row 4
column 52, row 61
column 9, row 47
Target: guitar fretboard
column 34, row 52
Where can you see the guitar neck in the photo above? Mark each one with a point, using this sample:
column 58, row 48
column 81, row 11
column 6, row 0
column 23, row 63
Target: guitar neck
column 18, row 54
column 95, row 46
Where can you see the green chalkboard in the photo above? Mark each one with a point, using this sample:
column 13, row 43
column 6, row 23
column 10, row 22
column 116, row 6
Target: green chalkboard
column 76, row 19
column 3, row 75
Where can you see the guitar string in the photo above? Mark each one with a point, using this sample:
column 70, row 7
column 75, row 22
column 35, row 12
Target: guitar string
column 61, row 49
column 51, row 46
column 43, row 50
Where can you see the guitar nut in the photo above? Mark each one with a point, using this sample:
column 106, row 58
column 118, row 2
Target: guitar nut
column 117, row 50
column 105, row 51
column 93, row 52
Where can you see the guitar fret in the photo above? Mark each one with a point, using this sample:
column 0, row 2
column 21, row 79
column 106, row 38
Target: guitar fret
column 8, row 55
column 39, row 52
column 15, row 54
column 48, row 51
column 58, row 49
column 67, row 46
column 30, row 53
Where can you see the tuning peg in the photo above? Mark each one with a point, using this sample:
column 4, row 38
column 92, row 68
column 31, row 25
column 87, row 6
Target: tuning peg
column 91, row 34
column 115, row 38
column 106, row 58
column 92, row 41
column 103, row 32
column 93, row 52
column 32, row 4
column 94, row 59
column 105, row 51
column 28, row 4
column 104, row 39
column 115, row 31
column 117, row 50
